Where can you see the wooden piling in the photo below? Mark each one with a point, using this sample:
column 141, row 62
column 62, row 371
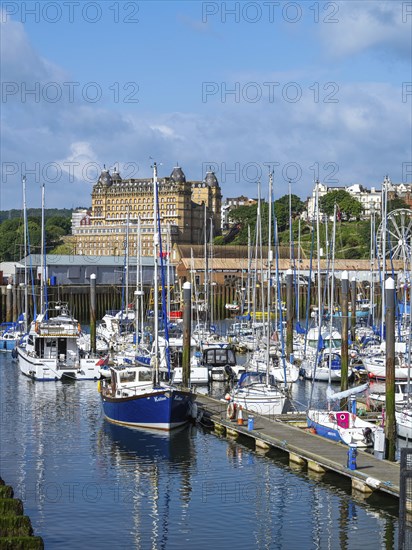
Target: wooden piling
column 353, row 310
column 9, row 303
column 15, row 313
column 390, row 421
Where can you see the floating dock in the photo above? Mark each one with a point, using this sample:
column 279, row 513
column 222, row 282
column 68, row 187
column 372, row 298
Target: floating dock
column 305, row 449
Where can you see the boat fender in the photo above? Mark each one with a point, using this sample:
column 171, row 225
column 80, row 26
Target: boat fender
column 368, row 435
column 194, row 411
column 36, row 326
column 99, row 386
column 372, row 482
column 231, row 411
column 79, row 328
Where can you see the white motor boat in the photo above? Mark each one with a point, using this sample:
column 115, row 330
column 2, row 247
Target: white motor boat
column 50, row 351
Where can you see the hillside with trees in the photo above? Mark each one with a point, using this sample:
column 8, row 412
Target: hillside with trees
column 57, row 225
column 353, row 234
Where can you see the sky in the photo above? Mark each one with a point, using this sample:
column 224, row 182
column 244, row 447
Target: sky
column 311, row 90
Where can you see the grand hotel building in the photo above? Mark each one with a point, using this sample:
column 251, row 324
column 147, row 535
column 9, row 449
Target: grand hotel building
column 183, row 206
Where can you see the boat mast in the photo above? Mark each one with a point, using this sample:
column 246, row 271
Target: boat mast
column 384, row 221
column 42, row 251
column 206, row 275
column 332, row 288
column 26, row 294
column 126, row 267
column 318, row 255
column 256, row 253
column 249, row 271
column 155, row 276
column 268, row 277
column 168, row 293
column 139, row 289
column 298, row 283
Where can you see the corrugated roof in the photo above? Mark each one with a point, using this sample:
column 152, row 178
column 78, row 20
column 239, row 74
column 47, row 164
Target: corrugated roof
column 226, row 252
column 71, row 260
column 198, row 264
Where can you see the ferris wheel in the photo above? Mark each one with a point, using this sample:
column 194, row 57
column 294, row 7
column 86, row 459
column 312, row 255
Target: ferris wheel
column 398, row 244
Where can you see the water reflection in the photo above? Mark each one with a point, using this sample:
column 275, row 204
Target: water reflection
column 127, row 488
column 160, row 466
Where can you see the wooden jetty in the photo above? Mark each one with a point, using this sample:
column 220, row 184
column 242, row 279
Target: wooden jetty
column 305, row 449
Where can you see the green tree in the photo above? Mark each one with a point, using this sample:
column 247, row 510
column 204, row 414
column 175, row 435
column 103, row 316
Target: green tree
column 247, row 216
column 396, row 203
column 349, row 206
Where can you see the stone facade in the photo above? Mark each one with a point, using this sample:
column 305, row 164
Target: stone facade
column 183, row 206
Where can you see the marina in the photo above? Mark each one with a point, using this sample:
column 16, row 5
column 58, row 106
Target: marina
column 306, row 450
column 64, row 460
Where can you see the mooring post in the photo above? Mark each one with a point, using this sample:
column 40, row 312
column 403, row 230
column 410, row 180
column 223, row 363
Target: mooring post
column 93, row 313
column 9, row 303
column 344, row 342
column 390, row 421
column 187, row 326
column 289, row 315
column 353, row 310
column 15, row 313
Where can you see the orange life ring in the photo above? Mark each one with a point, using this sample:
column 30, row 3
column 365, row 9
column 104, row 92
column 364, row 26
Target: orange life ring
column 231, row 411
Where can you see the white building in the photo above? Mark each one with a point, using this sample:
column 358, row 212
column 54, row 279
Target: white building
column 232, row 203
column 371, row 200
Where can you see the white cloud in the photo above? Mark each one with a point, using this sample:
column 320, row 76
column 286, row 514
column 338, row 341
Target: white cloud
column 364, row 25
column 362, row 137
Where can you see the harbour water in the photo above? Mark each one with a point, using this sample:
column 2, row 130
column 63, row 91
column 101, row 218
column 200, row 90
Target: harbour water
column 88, row 484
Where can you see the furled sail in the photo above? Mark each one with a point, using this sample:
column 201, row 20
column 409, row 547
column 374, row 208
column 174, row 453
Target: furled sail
column 331, row 396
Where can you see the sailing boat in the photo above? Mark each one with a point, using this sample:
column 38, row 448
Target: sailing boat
column 341, row 425
column 257, row 391
column 134, row 396
column 50, row 351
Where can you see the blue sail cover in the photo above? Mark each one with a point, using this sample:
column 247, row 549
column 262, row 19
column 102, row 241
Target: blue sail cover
column 300, row 329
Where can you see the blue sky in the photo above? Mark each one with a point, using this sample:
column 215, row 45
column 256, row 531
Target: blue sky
column 318, row 90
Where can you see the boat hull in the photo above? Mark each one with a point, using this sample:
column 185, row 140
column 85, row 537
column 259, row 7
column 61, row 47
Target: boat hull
column 404, row 424
column 377, row 369
column 162, row 409
column 350, row 430
column 264, row 402
column 50, row 369
column 7, row 344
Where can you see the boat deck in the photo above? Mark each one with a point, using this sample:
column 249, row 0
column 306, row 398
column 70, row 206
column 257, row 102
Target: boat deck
column 306, row 449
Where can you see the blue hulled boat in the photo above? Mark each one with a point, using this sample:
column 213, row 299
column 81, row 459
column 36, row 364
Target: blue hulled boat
column 134, row 396
column 130, row 398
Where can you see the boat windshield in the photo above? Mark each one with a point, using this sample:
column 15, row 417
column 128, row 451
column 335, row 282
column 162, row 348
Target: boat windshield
column 219, row 357
column 249, row 378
